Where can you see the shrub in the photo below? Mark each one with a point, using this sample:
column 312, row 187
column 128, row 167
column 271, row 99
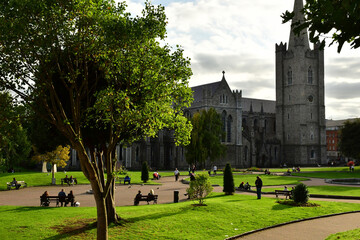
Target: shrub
column 229, row 186
column 301, row 193
column 200, row 187
column 145, row 172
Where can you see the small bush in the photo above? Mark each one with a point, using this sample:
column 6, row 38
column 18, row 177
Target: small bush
column 301, row 193
column 200, row 187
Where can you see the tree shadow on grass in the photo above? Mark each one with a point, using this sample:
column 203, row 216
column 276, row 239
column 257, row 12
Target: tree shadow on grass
column 73, row 227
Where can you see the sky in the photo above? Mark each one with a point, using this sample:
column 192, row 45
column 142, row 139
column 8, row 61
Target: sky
column 239, row 37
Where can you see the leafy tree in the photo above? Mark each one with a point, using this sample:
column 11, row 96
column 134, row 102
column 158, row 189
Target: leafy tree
column 144, row 172
column 95, row 70
column 338, row 18
column 200, row 187
column 14, row 144
column 300, row 193
column 349, row 143
column 58, row 157
column 205, row 143
column 229, row 186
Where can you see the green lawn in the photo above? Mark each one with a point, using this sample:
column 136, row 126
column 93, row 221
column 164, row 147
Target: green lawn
column 325, row 190
column 268, row 180
column 331, row 175
column 348, row 235
column 224, row 216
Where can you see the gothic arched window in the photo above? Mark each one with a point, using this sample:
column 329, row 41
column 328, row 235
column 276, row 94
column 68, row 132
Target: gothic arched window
column 223, row 120
column 310, row 76
column 289, row 75
column 229, row 123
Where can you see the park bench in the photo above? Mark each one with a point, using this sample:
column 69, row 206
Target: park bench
column 67, row 180
column 124, row 181
column 55, row 199
column 11, row 185
column 147, row 198
column 286, row 193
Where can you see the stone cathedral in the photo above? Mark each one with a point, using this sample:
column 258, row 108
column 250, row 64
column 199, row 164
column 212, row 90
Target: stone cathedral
column 261, row 133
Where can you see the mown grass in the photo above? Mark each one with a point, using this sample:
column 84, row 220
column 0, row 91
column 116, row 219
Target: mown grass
column 268, row 180
column 224, row 216
column 329, row 175
column 348, row 235
column 325, row 190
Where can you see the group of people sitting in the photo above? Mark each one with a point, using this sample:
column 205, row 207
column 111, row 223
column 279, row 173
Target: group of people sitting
column 156, row 175
column 69, row 180
column 267, row 172
column 139, row 195
column 64, row 199
column 245, row 186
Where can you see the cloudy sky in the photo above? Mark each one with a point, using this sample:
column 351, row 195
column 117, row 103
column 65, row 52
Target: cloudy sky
column 239, row 37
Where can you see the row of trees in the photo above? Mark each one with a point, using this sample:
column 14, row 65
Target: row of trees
column 99, row 76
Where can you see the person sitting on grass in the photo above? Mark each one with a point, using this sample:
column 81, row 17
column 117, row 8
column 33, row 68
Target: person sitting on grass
column 156, row 175
column 247, row 186
column 241, row 186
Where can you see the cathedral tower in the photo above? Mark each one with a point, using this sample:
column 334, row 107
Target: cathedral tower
column 300, row 109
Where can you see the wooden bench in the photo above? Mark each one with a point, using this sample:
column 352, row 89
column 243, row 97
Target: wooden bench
column 124, row 181
column 67, row 180
column 286, row 193
column 11, row 185
column 147, row 198
column 55, row 199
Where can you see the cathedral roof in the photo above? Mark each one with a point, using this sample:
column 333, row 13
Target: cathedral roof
column 199, row 90
column 257, row 105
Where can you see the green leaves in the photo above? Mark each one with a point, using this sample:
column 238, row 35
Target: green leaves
column 339, row 18
column 205, row 137
column 349, row 143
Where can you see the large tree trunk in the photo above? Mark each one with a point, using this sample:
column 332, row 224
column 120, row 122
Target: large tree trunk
column 102, row 222
column 111, row 205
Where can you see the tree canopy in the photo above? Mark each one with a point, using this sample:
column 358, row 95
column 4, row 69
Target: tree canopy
column 349, row 143
column 89, row 68
column 15, row 146
column 205, row 143
column 340, row 19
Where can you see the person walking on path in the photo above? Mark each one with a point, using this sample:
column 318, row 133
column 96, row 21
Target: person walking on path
column 176, row 173
column 258, row 184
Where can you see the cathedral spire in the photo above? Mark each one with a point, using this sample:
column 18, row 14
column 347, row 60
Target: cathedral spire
column 301, row 39
column 223, row 78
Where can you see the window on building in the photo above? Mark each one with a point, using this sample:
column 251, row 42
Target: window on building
column 289, row 75
column 223, row 119
column 312, row 136
column 220, row 99
column 310, row 76
column 226, row 99
column 229, row 123
column 312, row 154
column 288, row 115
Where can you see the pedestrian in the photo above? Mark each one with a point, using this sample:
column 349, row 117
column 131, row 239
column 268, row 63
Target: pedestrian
column 176, row 173
column 258, row 184
column 215, row 169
